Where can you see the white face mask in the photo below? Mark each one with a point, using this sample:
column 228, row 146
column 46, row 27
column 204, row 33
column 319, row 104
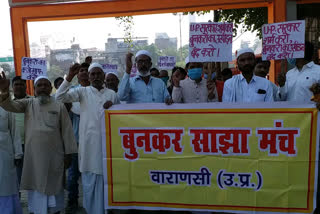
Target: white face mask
column 144, row 74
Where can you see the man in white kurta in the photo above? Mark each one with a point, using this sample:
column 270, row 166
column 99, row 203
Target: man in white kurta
column 10, row 150
column 93, row 100
column 49, row 141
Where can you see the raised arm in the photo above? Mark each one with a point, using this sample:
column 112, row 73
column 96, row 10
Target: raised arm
column 124, row 87
column 64, row 94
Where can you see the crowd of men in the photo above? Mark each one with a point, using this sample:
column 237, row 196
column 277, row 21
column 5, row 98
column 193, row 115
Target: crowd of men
column 44, row 135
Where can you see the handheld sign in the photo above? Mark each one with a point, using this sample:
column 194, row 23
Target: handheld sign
column 283, row 40
column 210, row 42
column 31, row 68
column 107, row 68
column 166, row 62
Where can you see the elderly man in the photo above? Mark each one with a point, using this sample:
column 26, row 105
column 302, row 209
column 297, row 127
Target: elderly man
column 246, row 87
column 142, row 88
column 93, row 100
column 48, row 145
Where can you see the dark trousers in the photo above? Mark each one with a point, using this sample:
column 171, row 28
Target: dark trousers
column 19, row 168
column 72, row 180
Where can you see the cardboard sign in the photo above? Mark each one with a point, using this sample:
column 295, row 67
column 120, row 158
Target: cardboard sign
column 31, row 68
column 210, row 42
column 166, row 62
column 283, row 40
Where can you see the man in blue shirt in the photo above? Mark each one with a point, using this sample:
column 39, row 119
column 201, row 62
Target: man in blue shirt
column 142, row 88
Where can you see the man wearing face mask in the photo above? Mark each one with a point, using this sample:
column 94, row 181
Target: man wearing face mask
column 47, row 126
column 294, row 86
column 194, row 89
column 246, row 87
column 93, row 100
column 164, row 76
column 142, row 88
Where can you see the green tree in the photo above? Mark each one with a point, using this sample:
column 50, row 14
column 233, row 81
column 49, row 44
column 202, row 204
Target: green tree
column 154, row 51
column 251, row 18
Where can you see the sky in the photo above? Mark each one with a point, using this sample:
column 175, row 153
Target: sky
column 90, row 33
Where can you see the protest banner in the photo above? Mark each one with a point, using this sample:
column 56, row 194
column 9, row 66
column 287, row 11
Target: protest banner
column 31, row 68
column 107, row 68
column 283, row 40
column 248, row 158
column 166, row 62
column 210, row 42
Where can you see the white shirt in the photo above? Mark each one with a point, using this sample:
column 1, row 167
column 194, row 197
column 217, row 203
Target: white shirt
column 298, row 83
column 237, row 89
column 91, row 105
column 192, row 92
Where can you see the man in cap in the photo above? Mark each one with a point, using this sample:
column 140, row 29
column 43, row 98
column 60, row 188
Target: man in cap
column 112, row 81
column 93, row 100
column 246, row 87
column 142, row 88
column 48, row 145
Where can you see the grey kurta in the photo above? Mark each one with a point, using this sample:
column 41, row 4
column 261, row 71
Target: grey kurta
column 48, row 137
column 10, row 149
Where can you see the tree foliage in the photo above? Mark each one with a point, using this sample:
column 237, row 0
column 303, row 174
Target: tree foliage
column 251, row 18
column 126, row 22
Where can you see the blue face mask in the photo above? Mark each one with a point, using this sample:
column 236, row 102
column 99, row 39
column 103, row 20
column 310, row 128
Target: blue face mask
column 212, row 76
column 165, row 80
column 195, row 73
column 292, row 61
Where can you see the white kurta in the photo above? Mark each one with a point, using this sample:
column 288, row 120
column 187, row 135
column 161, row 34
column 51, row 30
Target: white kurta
column 10, row 149
column 298, row 83
column 192, row 92
column 91, row 106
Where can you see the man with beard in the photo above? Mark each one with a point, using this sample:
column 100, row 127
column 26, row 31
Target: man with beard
column 246, row 87
column 93, row 100
column 142, row 88
column 48, row 145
